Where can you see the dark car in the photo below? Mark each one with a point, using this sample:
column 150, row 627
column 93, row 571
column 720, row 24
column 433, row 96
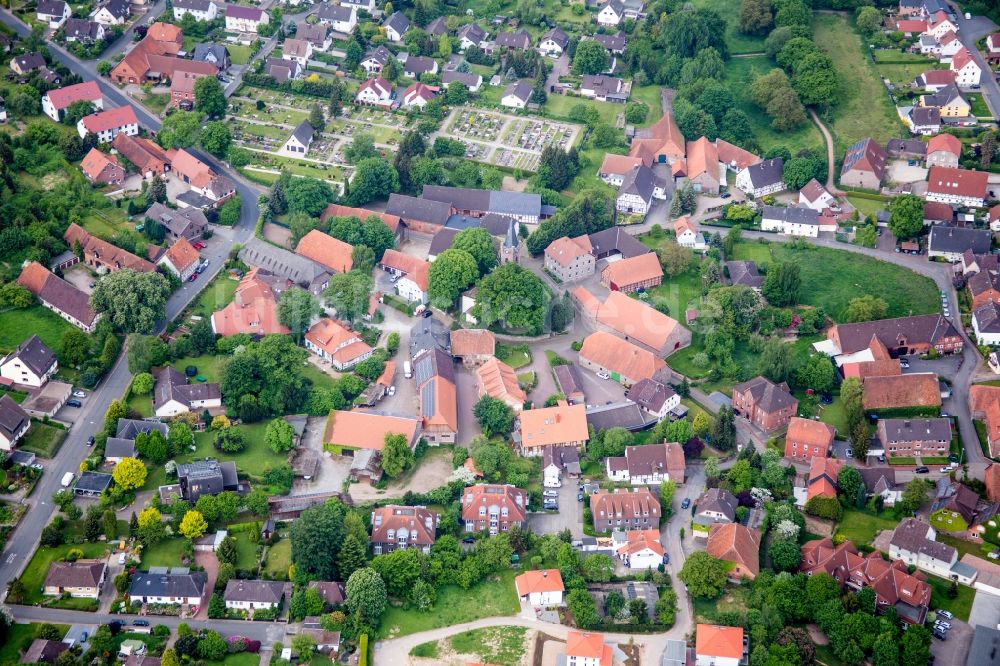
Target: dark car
column 940, row 635
column 140, row 623
column 922, row 470
column 90, row 441
column 74, row 403
column 469, row 540
column 579, row 497
column 666, row 558
column 686, row 503
column 427, row 313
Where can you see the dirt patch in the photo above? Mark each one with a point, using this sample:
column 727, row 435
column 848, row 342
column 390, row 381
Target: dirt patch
column 823, row 528
column 816, row 635
column 278, row 234
column 433, row 472
column 546, row 650
column 511, row 184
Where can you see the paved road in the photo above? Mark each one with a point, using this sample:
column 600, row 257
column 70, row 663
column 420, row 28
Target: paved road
column 23, row 541
column 969, row 32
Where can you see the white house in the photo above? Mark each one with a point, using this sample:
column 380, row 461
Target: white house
column 948, row 46
column 298, row 143
column 986, row 324
column 540, row 587
column 554, row 42
column 418, row 95
column 396, row 26
column 172, row 395
column 201, row 10
column 967, row 72
column 647, row 465
column 516, row 95
column 336, row 344
column 412, row 288
column 31, row 364
column 109, row 124
column 611, row 13
column 914, row 542
column 941, row 28
column 816, row 196
column 342, row 18
column 181, row 258
column 297, row 50
column 112, row 12
column 375, row 92
column 253, row 594
column 374, row 61
column 638, row 189
column 14, row 423
column 688, row 236
column 53, row 13
column 470, row 35
column 719, row 646
column 641, row 550
column 55, row 102
column 172, row 588
column 958, row 187
column 792, row 221
column 763, row 178
column 245, row 19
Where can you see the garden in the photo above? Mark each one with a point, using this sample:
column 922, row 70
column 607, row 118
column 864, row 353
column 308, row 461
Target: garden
column 34, row 574
column 43, row 439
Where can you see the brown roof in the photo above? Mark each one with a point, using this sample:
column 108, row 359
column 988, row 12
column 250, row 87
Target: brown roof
column 616, row 355
column 633, row 270
column 961, row 182
column 619, row 164
column 916, row 330
column 947, row 142
column 254, row 308
column 564, row 251
column 82, row 573
column 992, row 480
column 634, row 319
column 414, row 268
column 57, row 292
column 560, row 424
column 365, row 430
column 418, row 522
column 95, row 162
column 823, row 475
column 627, row 504
column 768, row 396
column 734, row 156
column 648, row 459
column 324, row 249
column 505, row 496
column 336, row 210
column 110, row 119
column 332, row 592
column 733, row 542
column 910, row 390
column 143, row 153
column 702, row 157
column 813, row 190
column 108, row 253
column 661, row 138
column 182, row 254
column 473, row 342
column 810, row 432
column 43, row 650
column 912, row 535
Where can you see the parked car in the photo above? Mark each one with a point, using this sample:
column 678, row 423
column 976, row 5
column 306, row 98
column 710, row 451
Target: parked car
column 948, row 615
column 603, row 375
column 198, row 245
column 121, row 558
column 140, row 623
column 74, row 403
column 666, row 558
column 944, row 625
column 550, row 493
column 469, row 539
column 579, row 497
column 940, row 635
column 194, row 276
column 921, row 470
column 391, row 391
column 686, row 503
column 946, row 469
column 79, row 394
column 849, row 453
column 90, row 441
column 393, row 279
column 426, row 313
column 904, row 364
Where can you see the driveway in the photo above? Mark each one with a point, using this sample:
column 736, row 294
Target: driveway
column 569, row 516
column 901, row 172
column 468, row 426
column 333, row 470
column 954, row 649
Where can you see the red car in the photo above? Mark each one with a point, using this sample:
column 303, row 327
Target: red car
column 199, row 246
column 194, row 276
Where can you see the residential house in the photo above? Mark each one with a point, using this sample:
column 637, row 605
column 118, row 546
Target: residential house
column 791, row 221
column 102, row 255
column 341, row 18
column 560, row 425
column 417, row 95
column 26, row 63
column 649, row 464
column 333, row 593
column 763, row 178
column 642, row 549
column 187, row 223
column 957, row 186
column 116, row 449
column 716, row 506
column 148, row 158
column 821, row 480
column 254, row 308
column 396, row 26
column 640, row 186
column 53, row 13
column 881, row 481
column 614, row 168
column 83, row 31
column 59, row 296
column 542, row 587
column 523, row 207
column 317, row 34
column 172, row 395
column 92, row 484
column 168, row 588
column 633, row 274
column 513, row 41
column 925, row 121
column 815, row 196
column 395, row 527
column 14, row 423
column 993, row 48
column 914, row 437
column 56, row 101
column 470, row 80
column 305, row 273
column 297, row 50
column 282, row 70
column 913, row 542
column 767, row 405
column 688, row 235
column 604, row 88
column 864, row 165
column 375, row 60
column 517, row 95
column 182, row 87
column 661, row 142
column 349, row 432
column 473, row 346
column 954, row 508
column 720, row 646
column 205, row 477
column 81, row 579
column 181, row 258
column 808, row 439
column 614, row 243
column 654, row 397
column 568, row 260
column 155, row 57
column 559, row 460
column 326, row 250
column 251, row 595
column 703, row 166
column 896, row 392
column 470, row 35
column 44, row 651
column 493, row 507
column 112, row 12
column 569, row 382
column 201, row 10
column 635, row 321
column 944, row 150
column 934, row 80
column 553, row 42
column 637, row 509
column 744, row 273
column 240, row 18
column 949, row 101
column 615, row 43
column 336, row 344
column 986, row 324
column 951, row 243
column 102, row 168
column 106, row 125
column 738, row 545
column 610, row 14
column 902, row 336
column 375, row 92
column 906, row 149
column 413, row 281
column 967, row 71
column 623, row 361
column 434, row 374
column 32, row 364
column 416, row 66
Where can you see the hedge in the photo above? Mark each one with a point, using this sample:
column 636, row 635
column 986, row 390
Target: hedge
column 363, row 650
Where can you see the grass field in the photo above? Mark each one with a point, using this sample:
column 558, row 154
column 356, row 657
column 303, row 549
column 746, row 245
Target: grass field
column 901, row 74
column 43, row 440
column 864, row 109
column 559, row 105
column 16, row 326
column 34, row 574
column 239, row 55
column 209, row 366
column 246, row 552
column 960, row 605
column 278, row 559
column 215, row 296
column 19, row 637
column 16, row 396
column 454, row 606
column 736, row 40
column 515, row 358
column 241, row 659
column 651, row 96
column 867, row 206
column 861, row 527
column 979, row 108
column 166, row 553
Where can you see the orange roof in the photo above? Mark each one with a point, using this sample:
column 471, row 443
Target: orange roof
column 182, row 254
column 336, row 210
column 714, row 641
column 993, row 425
column 620, row 164
column 561, row 424
column 61, row 98
column 992, row 481
column 110, row 119
column 682, row 224
column 619, row 356
column 545, row 580
column 735, row 543
column 588, row 302
column 911, row 390
column 639, row 540
column 810, row 432
column 961, row 59
column 946, row 142
column 823, row 475
column 470, row 465
column 110, row 254
column 585, row 645
column 331, row 336
column 359, row 429
column 185, row 164
column 254, row 309
column 702, row 157
column 324, row 249
column 564, row 251
column 165, row 32
column 636, row 320
column 911, row 25
column 498, row 380
column 385, row 379
column 33, row 277
column 633, row 270
column 661, row 138
column 414, row 268
column 95, row 162
column 473, row 342
column 734, row 156
column 981, row 395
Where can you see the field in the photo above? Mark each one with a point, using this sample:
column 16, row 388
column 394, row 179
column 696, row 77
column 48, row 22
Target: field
column 240, row 659
column 16, row 326
column 960, row 605
column 209, row 366
column 502, row 646
column 19, row 637
column 736, row 40
column 867, row 206
column 559, row 105
column 901, row 68
column 34, row 574
column 454, row 606
column 246, row 552
column 864, row 109
column 215, row 296
column 166, row 553
column 861, row 527
column 278, row 559
column 43, row 440
column 979, row 107
column 238, row 54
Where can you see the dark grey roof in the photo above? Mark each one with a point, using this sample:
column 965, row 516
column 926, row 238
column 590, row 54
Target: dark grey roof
column 18, row 457
column 171, row 384
column 117, row 447
column 196, row 5
column 568, row 379
column 472, row 32
column 988, row 318
column 43, row 650
column 745, row 273
column 94, row 482
column 437, row 27
column 129, row 428
column 331, row 13
column 878, row 479
column 792, row 214
column 260, row 591
column 206, row 477
column 616, row 239
column 717, row 499
column 626, row 415
column 616, row 6
column 918, row 329
column 29, row 61
column 117, row 8
column 613, row 43
column 638, row 181
column 421, row 210
column 429, row 333
column 985, row 647
column 313, row 33
column 916, row 430
column 282, row 70
column 911, row 535
column 213, row 53
column 766, row 172
column 461, row 222
column 675, row 653
column 419, row 64
column 925, row 116
column 514, row 40
column 381, row 55
column 398, row 22
column 168, row 584
column 486, row 201
column 520, row 90
column 12, row 417
column 51, row 7
column 469, row 79
column 603, row 86
column 943, row 96
column 906, row 146
column 442, row 241
column 566, row 458
column 303, row 133
column 767, row 395
column 35, row 355
column 557, row 36
column 81, row 28
column 279, row 261
column 650, row 394
column 959, row 239
column 187, row 222
column 431, row 363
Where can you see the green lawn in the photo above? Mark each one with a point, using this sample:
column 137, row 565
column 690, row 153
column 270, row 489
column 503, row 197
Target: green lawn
column 19, row 637
column 143, row 404
column 732, row 600
column 559, row 105
column 34, row 574
column 239, row 55
column 166, row 553
column 960, row 605
column 515, row 358
column 861, row 527
column 945, row 521
column 278, row 559
column 979, row 107
column 736, row 40
column 215, row 296
column 209, row 366
column 16, row 396
column 867, row 207
column 834, row 415
column 251, row 461
column 454, row 606
column 864, row 109
column 246, row 552
column 43, row 440
column 650, row 95
column 16, row 326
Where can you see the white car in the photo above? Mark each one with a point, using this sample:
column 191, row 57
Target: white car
column 550, row 493
column 79, row 394
column 603, row 375
column 391, row 391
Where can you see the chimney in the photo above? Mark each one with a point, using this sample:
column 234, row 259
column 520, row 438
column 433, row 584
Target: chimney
column 545, row 573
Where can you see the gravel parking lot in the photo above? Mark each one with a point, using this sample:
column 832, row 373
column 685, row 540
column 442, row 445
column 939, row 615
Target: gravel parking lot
column 569, row 515
column 955, row 648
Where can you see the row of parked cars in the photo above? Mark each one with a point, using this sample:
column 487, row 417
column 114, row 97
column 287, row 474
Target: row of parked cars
column 941, row 625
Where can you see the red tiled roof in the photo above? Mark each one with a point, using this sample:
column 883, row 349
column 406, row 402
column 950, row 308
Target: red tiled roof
column 63, row 97
column 735, row 543
column 95, row 162
column 945, row 142
column 110, row 119
column 324, row 249
column 543, row 580
column 715, row 641
column 961, row 182
column 336, row 210
column 182, row 255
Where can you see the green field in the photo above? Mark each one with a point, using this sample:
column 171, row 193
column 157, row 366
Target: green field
column 19, row 637
column 239, row 55
column 209, row 366
column 979, row 107
column 501, row 646
column 278, row 559
column 867, row 206
column 861, row 527
column 34, row 574
column 246, row 552
column 735, row 40
column 215, row 296
column 960, row 605
column 166, row 553
column 864, row 109
column 18, row 325
column 43, row 440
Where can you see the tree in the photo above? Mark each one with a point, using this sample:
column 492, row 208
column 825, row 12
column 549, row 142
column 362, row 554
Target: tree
column 817, row 373
column 915, row 646
column 366, row 595
column 361, row 148
column 582, row 606
column 724, row 431
column 211, row 645
column 316, row 536
column 451, row 273
column 229, row 213
column 133, row 302
column 316, row 118
column 674, row 259
column 478, row 242
column 308, row 195
column 269, row 373
column 598, row 568
column 397, row 456
column 776, row 360
column 181, row 438
column 782, row 284
column 142, row 383
column 216, row 138
column 849, row 482
column 193, row 525
column 348, row 294
column 590, row 58
column 232, row 440
column 869, row 21
column 209, row 97
column 151, row 528
column 374, row 178
column 296, row 310
column 180, row 129
column 914, row 496
column 866, row 308
column 703, row 575
column 906, row 216
column 169, row 658
column 815, row 79
column 667, row 490
column 494, row 416
column 457, row 93
column 129, row 473
column 755, row 17
column 279, row 436
column 304, row 646
column 512, row 297
column 153, row 446
column 785, row 555
column 987, row 148
column 802, row 168
column 362, row 259
column 353, row 555
column 255, row 502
